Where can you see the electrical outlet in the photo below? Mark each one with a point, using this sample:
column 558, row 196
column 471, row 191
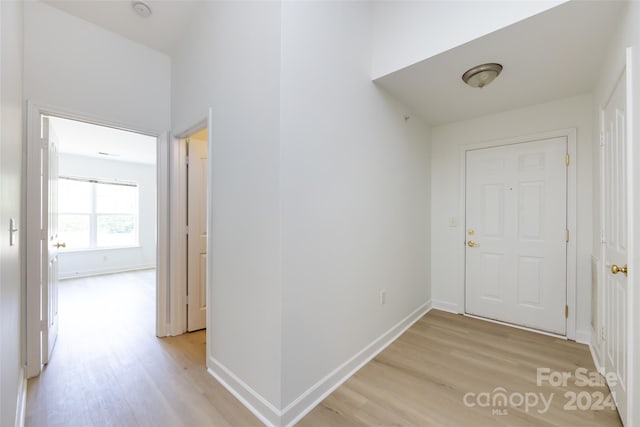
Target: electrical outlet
column 383, row 296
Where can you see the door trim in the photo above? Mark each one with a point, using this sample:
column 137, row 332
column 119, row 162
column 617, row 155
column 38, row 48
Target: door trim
column 570, row 134
column 178, row 235
column 633, row 259
column 32, row 304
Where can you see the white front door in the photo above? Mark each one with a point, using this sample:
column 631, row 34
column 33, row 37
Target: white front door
column 50, row 245
column 197, row 178
column 615, row 244
column 516, row 239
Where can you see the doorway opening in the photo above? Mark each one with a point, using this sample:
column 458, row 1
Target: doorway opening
column 190, row 242
column 93, row 193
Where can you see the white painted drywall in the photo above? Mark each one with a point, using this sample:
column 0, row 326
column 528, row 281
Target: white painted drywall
column 447, row 141
column 102, row 261
column 73, row 64
column 229, row 59
column 355, row 195
column 305, row 147
column 11, row 134
column 405, row 32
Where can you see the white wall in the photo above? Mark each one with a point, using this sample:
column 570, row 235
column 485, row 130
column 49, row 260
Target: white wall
column 229, row 59
column 11, row 314
column 447, row 141
column 355, row 197
column 320, row 193
column 76, row 65
column 101, row 261
column 406, row 32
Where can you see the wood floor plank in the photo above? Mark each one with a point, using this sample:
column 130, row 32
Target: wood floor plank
column 109, row 369
column 423, row 377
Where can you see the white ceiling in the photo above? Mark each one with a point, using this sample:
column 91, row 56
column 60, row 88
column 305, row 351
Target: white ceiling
column 84, row 139
column 160, row 31
column 553, row 55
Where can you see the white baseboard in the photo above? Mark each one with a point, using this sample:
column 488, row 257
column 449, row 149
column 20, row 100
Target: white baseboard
column 21, row 406
column 596, row 360
column 274, row 417
column 451, row 307
column 99, row 272
column 595, row 355
column 583, row 337
column 315, row 394
column 251, row 399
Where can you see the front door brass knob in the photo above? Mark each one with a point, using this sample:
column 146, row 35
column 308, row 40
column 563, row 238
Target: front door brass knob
column 615, row 269
column 60, row 245
column 472, row 244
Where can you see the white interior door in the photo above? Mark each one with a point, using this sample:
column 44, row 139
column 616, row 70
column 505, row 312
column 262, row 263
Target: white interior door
column 50, row 246
column 615, row 243
column 516, row 229
column 197, row 178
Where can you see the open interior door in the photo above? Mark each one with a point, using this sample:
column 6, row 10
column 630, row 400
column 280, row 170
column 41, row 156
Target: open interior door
column 50, row 245
column 197, row 184
column 615, row 244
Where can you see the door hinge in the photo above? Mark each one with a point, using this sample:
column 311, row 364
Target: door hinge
column 186, row 160
column 567, row 159
column 566, row 235
column 602, row 138
column 186, row 229
column 566, row 311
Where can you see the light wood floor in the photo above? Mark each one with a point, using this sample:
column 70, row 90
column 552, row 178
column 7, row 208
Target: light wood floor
column 422, row 378
column 108, row 368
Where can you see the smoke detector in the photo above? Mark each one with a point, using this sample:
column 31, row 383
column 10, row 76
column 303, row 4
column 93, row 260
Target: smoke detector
column 141, row 8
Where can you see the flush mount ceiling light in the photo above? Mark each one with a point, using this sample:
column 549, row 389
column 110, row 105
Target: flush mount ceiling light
column 141, row 8
column 481, row 75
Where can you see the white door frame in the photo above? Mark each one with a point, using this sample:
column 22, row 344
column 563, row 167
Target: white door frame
column 33, row 234
column 570, row 134
column 633, row 254
column 178, row 266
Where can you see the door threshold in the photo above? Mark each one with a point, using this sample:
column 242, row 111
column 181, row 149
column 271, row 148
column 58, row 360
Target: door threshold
column 513, row 325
